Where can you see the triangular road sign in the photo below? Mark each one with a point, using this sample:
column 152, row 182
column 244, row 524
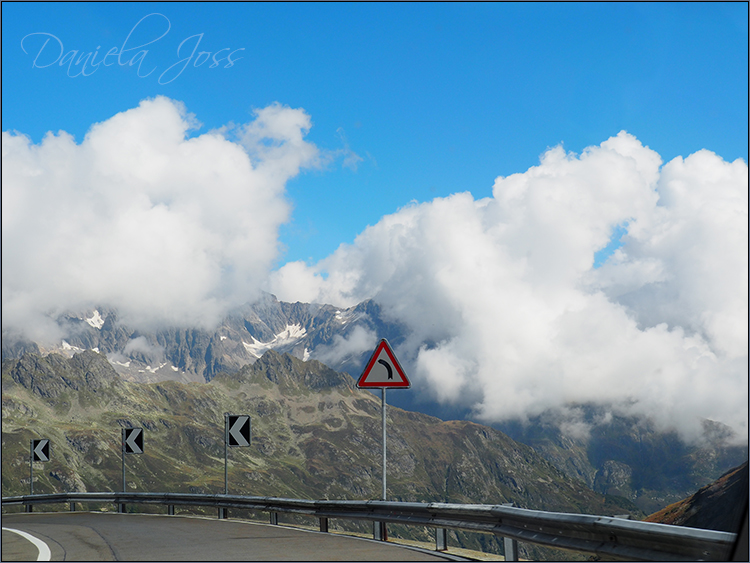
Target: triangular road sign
column 383, row 370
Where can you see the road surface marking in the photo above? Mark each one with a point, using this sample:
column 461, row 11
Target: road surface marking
column 44, row 552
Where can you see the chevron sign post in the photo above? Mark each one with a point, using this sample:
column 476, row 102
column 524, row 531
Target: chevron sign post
column 38, row 451
column 236, row 434
column 132, row 443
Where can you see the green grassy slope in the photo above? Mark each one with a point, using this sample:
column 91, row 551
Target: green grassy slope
column 314, row 435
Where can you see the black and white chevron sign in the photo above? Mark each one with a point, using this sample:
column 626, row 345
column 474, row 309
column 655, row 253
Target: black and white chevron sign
column 239, row 430
column 41, row 450
column 133, row 439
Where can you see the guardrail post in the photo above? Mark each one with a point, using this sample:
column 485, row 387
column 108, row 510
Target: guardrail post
column 29, row 508
column 511, row 549
column 223, row 513
column 170, row 509
column 72, row 506
column 323, row 524
column 379, row 531
column 441, row 539
column 121, row 508
column 274, row 518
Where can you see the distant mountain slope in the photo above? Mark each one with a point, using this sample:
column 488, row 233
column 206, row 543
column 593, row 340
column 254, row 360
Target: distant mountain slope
column 627, row 457
column 717, row 506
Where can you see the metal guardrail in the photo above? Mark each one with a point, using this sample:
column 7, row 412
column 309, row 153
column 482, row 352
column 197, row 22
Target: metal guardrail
column 600, row 535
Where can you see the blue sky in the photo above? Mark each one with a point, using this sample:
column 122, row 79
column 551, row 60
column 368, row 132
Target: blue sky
column 434, row 98
column 526, row 188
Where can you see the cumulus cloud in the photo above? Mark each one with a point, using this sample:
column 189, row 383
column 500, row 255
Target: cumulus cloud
column 140, row 215
column 507, row 314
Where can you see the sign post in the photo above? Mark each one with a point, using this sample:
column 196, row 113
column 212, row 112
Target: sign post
column 226, row 452
column 39, row 451
column 236, row 434
column 132, row 443
column 382, row 411
column 383, row 371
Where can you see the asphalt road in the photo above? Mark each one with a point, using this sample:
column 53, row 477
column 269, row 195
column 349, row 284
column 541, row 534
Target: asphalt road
column 91, row 536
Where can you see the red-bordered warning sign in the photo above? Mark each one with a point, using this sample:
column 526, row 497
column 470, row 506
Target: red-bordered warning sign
column 383, row 370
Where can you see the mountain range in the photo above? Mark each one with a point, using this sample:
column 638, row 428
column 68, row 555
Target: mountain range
column 339, row 337
column 314, row 435
column 626, row 457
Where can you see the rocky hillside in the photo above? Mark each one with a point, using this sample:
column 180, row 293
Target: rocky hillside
column 315, row 435
column 717, row 506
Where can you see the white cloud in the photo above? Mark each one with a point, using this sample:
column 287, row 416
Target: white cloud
column 694, row 246
column 142, row 345
column 165, row 227
column 359, row 340
column 516, row 319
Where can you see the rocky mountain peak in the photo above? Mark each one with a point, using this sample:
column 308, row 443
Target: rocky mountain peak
column 51, row 375
column 95, row 367
column 289, row 373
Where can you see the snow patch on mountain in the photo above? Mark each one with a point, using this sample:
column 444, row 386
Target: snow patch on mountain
column 96, row 320
column 348, row 316
column 68, row 348
column 153, row 370
column 288, row 336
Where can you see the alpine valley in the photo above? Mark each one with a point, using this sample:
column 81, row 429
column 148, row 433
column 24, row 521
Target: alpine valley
column 291, row 367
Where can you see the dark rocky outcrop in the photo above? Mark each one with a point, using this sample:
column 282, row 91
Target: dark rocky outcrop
column 717, row 506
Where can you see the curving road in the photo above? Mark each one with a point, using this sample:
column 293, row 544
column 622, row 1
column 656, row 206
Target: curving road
column 92, row 536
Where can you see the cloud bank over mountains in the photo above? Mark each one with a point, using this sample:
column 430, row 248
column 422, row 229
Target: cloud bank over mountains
column 516, row 319
column 505, row 311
